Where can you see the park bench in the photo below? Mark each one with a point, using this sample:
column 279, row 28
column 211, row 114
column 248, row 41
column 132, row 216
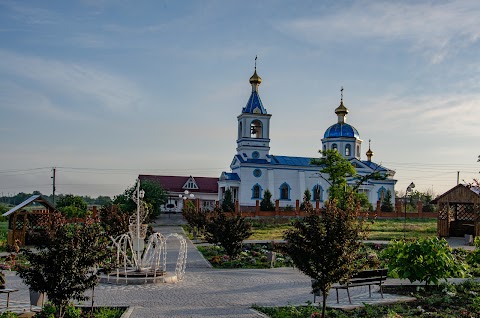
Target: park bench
column 363, row 278
column 8, row 291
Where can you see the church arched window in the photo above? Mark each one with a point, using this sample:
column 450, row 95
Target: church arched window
column 240, row 126
column 317, row 193
column 347, row 150
column 381, row 193
column 334, row 147
column 358, row 151
column 257, row 192
column 285, row 191
column 256, row 129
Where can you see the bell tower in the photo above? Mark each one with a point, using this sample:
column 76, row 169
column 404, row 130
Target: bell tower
column 253, row 141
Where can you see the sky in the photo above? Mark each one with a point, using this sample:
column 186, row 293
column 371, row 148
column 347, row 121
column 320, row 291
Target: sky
column 105, row 90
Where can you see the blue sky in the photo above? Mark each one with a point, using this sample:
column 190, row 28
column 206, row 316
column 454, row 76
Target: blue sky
column 105, row 90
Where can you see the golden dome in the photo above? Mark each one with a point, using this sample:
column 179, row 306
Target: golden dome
column 369, row 152
column 341, row 109
column 255, row 78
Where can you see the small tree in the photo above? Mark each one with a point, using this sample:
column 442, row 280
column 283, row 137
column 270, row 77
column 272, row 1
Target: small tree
column 325, row 246
column 63, row 265
column 266, row 204
column 227, row 204
column 307, row 197
column 113, row 220
column 228, row 232
column 196, row 219
column 387, row 205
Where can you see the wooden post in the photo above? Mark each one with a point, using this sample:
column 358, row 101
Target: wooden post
column 277, row 207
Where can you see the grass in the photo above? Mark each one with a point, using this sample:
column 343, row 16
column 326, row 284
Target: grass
column 447, row 301
column 381, row 229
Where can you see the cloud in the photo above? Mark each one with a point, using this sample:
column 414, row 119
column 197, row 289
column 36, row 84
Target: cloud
column 440, row 114
column 73, row 82
column 435, row 30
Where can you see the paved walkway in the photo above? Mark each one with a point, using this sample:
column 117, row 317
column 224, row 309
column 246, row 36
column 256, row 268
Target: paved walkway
column 208, row 292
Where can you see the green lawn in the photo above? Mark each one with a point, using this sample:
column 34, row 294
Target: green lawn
column 381, row 229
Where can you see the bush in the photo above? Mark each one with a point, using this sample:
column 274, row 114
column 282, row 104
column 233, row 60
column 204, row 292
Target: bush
column 424, row 260
column 387, row 205
column 196, row 219
column 228, row 232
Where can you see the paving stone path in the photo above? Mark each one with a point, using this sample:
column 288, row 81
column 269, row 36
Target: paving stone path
column 204, row 292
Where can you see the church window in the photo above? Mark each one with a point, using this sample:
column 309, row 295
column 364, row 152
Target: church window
column 256, row 129
column 317, row 193
column 257, row 173
column 240, row 134
column 381, row 193
column 285, row 191
column 358, row 151
column 347, row 150
column 257, row 192
column 334, row 147
column 255, row 155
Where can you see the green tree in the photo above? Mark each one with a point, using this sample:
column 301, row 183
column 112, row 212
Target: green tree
column 266, row 204
column 154, row 197
column 63, row 265
column 227, row 204
column 326, row 246
column 387, row 205
column 307, row 197
column 72, row 206
column 103, row 200
column 338, row 169
column 227, row 231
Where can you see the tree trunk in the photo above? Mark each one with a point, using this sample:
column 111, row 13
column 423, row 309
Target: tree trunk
column 324, row 307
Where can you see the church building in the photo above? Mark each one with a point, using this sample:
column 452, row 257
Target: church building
column 254, row 169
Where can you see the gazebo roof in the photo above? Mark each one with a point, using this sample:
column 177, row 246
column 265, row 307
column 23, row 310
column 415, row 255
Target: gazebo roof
column 38, row 198
column 460, row 193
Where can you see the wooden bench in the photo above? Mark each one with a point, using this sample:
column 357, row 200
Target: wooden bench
column 8, row 291
column 363, row 278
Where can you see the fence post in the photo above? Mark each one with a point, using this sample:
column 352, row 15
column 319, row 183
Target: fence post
column 257, row 207
column 277, row 207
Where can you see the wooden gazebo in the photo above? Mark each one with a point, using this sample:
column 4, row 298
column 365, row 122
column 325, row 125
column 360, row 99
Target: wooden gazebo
column 459, row 211
column 20, row 220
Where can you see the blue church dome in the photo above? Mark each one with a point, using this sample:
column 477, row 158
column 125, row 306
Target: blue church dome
column 341, row 130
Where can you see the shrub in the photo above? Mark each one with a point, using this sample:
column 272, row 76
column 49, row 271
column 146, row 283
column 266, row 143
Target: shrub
column 228, row 232
column 196, row 219
column 424, row 260
column 113, row 220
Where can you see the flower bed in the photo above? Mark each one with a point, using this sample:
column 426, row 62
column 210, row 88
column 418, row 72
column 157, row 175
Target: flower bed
column 445, row 301
column 252, row 256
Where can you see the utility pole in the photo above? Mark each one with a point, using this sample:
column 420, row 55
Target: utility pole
column 53, row 184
